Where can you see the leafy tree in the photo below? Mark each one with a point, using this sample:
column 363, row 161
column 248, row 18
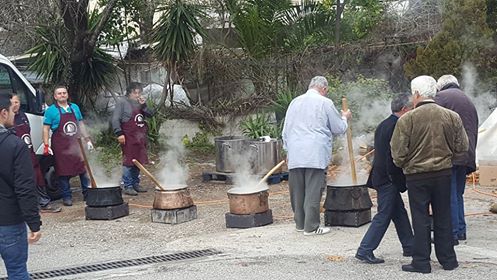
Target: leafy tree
column 465, row 35
column 175, row 36
column 354, row 19
column 67, row 50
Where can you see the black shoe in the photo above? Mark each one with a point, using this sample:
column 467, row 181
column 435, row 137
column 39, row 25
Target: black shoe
column 370, row 258
column 50, row 209
column 461, row 236
column 139, row 188
column 130, row 191
column 410, row 268
column 407, row 254
column 67, row 201
column 451, row 266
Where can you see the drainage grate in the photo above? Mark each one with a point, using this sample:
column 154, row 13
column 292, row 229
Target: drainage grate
column 121, row 264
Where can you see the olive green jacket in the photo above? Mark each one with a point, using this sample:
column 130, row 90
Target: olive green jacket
column 427, row 138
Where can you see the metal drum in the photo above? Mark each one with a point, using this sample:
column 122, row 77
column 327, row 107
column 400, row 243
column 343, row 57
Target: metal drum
column 264, row 155
column 228, row 152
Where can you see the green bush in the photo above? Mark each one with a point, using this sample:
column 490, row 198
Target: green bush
column 199, row 143
column 260, row 125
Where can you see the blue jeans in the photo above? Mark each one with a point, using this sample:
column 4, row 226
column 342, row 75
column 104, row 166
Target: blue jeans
column 457, row 185
column 14, row 250
column 390, row 208
column 131, row 176
column 66, row 187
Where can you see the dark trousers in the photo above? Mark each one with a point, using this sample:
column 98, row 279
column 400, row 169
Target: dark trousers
column 131, row 176
column 458, row 183
column 422, row 193
column 390, row 208
column 66, row 187
column 306, row 188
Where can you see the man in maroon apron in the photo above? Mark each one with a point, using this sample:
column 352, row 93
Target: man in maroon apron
column 66, row 122
column 23, row 130
column 128, row 123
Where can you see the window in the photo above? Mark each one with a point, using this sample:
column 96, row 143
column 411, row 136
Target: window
column 11, row 83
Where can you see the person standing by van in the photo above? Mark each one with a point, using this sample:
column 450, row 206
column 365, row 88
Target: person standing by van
column 65, row 121
column 18, row 197
column 23, row 130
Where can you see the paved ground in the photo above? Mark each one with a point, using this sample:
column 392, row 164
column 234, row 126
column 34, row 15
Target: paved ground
column 276, row 251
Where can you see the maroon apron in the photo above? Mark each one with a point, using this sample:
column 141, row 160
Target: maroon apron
column 23, row 131
column 135, row 134
column 65, row 146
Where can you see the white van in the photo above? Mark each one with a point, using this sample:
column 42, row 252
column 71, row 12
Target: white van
column 11, row 80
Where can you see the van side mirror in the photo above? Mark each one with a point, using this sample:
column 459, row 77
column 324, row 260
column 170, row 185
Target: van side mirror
column 40, row 101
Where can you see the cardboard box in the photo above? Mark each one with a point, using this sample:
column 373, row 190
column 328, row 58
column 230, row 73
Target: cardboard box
column 488, row 175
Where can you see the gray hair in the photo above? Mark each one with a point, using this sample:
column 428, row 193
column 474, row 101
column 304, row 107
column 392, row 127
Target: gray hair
column 400, row 101
column 445, row 80
column 426, row 86
column 318, row 81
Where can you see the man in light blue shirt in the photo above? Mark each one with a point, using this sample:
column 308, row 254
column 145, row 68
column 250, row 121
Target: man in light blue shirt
column 310, row 123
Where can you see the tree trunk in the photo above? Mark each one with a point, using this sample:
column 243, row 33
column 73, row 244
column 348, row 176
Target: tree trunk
column 338, row 19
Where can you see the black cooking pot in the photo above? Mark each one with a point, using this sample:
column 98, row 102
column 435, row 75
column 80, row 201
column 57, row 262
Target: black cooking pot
column 347, row 198
column 101, row 197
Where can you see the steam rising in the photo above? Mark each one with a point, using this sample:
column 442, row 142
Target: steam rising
column 483, row 99
column 173, row 172
column 244, row 181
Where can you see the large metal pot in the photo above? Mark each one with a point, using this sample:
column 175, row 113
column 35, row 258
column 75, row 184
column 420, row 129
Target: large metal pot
column 347, row 198
column 245, row 204
column 101, row 197
column 172, row 199
column 228, row 152
column 264, row 155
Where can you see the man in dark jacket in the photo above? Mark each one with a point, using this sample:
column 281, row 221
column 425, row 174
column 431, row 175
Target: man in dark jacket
column 18, row 197
column 389, row 181
column 452, row 97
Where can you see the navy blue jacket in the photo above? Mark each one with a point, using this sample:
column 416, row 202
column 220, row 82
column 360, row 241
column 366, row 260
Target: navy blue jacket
column 384, row 170
column 453, row 98
column 18, row 195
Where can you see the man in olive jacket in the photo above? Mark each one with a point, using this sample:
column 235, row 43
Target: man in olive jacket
column 451, row 96
column 424, row 143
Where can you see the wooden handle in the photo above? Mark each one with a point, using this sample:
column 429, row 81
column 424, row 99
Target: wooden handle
column 345, row 107
column 142, row 168
column 92, row 180
column 270, row 172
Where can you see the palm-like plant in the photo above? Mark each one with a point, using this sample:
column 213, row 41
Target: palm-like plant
column 50, row 56
column 307, row 24
column 175, row 36
column 52, row 61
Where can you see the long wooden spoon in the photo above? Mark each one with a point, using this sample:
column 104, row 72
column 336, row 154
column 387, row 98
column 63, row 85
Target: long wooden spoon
column 144, row 170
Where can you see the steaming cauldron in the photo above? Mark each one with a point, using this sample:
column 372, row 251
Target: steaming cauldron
column 101, row 197
column 172, row 199
column 249, row 203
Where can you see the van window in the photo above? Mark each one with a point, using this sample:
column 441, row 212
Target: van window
column 11, row 83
